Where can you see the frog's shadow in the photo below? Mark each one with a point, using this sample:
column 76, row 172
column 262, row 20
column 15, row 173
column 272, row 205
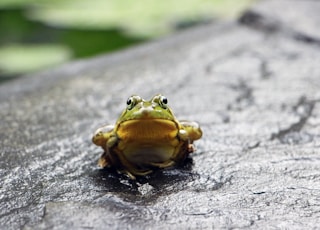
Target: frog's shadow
column 160, row 182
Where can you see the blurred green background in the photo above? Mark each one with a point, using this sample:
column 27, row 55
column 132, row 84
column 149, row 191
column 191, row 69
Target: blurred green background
column 39, row 34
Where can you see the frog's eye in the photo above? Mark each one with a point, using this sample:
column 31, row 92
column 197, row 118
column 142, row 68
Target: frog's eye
column 130, row 103
column 163, row 102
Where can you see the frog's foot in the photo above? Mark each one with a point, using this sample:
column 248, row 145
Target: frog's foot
column 127, row 173
column 133, row 173
column 166, row 164
column 104, row 160
column 191, row 148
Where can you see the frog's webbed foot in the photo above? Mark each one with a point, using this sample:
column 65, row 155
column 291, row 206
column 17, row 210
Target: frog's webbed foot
column 104, row 160
column 133, row 173
column 107, row 159
column 166, row 164
column 129, row 174
column 191, row 148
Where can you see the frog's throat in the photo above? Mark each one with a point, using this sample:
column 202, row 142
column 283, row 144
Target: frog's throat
column 147, row 130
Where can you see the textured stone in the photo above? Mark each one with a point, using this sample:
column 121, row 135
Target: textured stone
column 255, row 93
column 299, row 18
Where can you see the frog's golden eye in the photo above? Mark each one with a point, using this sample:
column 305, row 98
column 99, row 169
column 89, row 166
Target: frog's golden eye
column 163, row 102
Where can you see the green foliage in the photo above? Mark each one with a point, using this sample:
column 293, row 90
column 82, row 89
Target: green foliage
column 17, row 59
column 83, row 28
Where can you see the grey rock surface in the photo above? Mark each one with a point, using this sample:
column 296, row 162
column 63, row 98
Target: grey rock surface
column 297, row 18
column 254, row 91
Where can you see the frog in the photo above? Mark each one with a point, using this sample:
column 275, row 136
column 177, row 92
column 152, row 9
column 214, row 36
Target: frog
column 147, row 136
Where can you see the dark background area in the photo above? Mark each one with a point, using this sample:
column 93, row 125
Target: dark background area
column 39, row 35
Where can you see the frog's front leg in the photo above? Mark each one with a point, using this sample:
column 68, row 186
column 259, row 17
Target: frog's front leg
column 189, row 132
column 106, row 138
column 102, row 135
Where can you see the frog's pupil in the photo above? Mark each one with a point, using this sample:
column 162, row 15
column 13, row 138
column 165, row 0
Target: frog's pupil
column 129, row 101
column 164, row 100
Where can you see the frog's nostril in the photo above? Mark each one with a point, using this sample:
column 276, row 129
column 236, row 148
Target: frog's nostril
column 145, row 112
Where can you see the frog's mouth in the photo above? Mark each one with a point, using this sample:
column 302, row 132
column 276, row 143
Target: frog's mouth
column 147, row 130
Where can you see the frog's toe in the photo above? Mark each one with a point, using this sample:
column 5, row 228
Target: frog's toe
column 127, row 173
column 133, row 173
column 191, row 148
column 164, row 164
column 104, row 161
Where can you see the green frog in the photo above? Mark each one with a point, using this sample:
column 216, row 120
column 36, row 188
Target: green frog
column 146, row 136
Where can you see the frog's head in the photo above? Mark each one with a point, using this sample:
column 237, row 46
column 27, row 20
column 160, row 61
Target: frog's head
column 139, row 109
column 147, row 121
